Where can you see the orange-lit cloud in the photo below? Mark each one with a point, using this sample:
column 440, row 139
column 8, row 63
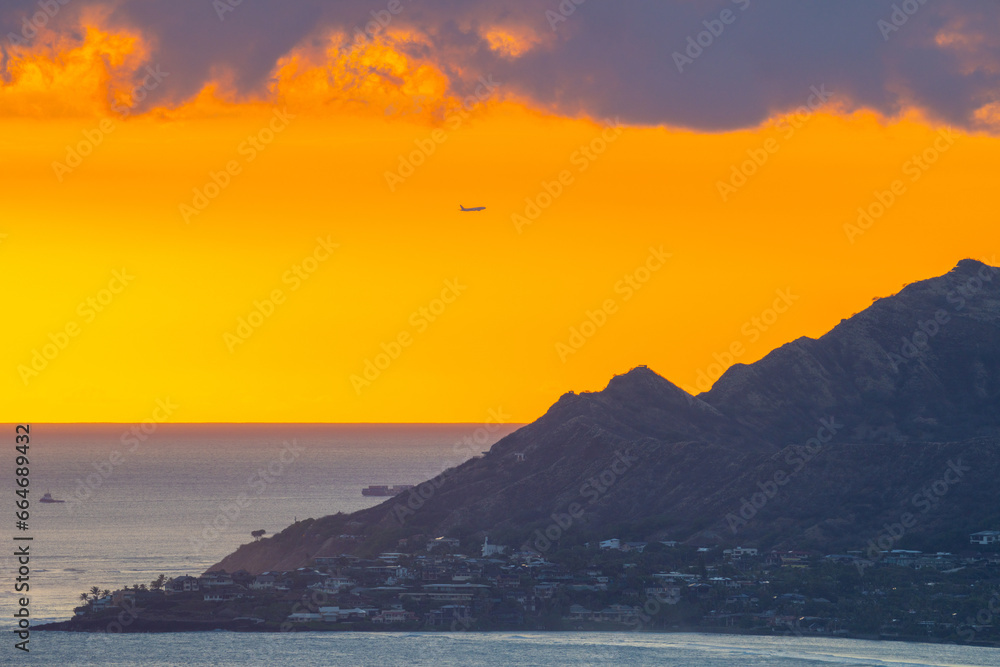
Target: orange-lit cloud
column 358, row 112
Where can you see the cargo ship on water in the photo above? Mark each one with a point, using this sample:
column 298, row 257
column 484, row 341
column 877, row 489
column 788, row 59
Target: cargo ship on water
column 379, row 490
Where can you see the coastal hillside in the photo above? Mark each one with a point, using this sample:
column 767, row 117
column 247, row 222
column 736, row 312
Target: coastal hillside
column 828, row 443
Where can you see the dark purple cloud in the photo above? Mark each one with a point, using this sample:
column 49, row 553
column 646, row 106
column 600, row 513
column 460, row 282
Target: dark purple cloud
column 610, row 59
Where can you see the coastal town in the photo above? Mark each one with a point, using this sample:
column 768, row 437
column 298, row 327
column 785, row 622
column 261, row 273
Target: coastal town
column 446, row 584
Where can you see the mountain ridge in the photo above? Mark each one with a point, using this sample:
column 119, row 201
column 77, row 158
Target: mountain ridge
column 911, row 383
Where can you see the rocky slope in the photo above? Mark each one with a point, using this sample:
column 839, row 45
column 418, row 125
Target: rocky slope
column 820, row 444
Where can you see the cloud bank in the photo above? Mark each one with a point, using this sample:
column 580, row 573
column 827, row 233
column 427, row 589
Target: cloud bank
column 709, row 66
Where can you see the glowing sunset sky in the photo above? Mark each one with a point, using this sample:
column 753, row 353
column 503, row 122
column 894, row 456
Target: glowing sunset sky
column 241, row 210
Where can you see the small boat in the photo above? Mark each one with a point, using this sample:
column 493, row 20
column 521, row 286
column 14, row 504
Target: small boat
column 47, row 498
column 378, row 490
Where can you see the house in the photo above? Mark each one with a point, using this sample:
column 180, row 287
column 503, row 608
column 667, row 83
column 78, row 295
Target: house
column 390, row 556
column 304, row 617
column 394, row 616
column 722, row 581
column 675, row 577
column 985, row 537
column 613, row 543
column 101, row 603
column 740, row 552
column 183, row 584
column 446, row 542
column 336, row 614
column 123, row 598
column 619, row 613
column 795, row 559
column 242, row 577
column 263, row 582
column 492, row 549
column 222, row 593
column 335, row 584
column 213, row 579
column 451, row 592
column 637, row 547
column 579, row 613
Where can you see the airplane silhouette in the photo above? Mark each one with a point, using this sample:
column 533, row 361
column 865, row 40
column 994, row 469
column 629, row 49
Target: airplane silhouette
column 471, row 210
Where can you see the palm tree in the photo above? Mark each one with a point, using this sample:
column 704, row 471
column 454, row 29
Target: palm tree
column 157, row 584
column 105, row 593
column 85, row 597
column 95, row 591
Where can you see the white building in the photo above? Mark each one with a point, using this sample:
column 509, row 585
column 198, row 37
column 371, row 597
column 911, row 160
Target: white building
column 492, row 549
column 336, row 614
column 263, row 582
column 739, row 552
column 985, row 537
column 613, row 543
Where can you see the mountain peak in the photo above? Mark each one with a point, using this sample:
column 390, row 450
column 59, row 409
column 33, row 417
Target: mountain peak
column 969, row 265
column 885, row 402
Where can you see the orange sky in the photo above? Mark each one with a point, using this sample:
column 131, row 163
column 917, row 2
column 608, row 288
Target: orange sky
column 316, row 198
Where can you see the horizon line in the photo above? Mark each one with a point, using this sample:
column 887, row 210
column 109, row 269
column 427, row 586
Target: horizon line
column 207, row 423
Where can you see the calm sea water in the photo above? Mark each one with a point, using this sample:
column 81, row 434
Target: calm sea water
column 143, row 512
column 134, row 515
column 470, row 649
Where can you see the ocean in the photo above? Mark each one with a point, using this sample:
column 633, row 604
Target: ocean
column 137, row 508
column 171, row 503
column 221, row 649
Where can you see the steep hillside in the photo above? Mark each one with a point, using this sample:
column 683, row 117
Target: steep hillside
column 821, row 443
